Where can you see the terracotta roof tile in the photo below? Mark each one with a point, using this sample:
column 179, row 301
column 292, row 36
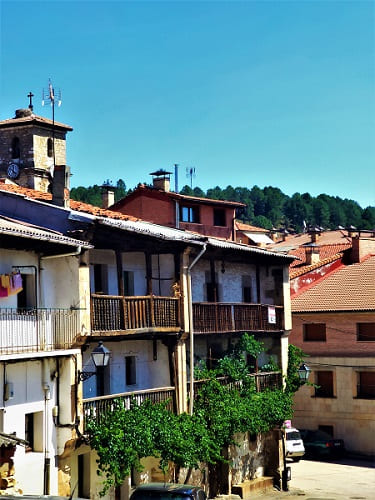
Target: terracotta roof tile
column 349, row 288
column 325, row 252
column 151, row 191
column 240, row 226
column 12, row 122
column 74, row 205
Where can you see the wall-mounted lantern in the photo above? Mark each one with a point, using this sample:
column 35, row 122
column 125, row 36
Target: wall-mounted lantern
column 304, row 373
column 100, row 357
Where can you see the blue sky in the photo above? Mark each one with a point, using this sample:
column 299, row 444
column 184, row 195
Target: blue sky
column 249, row 93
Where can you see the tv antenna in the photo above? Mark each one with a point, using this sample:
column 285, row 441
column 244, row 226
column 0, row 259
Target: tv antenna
column 51, row 97
column 190, row 172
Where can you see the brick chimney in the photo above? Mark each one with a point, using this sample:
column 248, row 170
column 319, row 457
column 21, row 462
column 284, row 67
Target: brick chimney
column 312, row 254
column 161, row 180
column 61, row 186
column 361, row 248
column 108, row 196
column 314, row 233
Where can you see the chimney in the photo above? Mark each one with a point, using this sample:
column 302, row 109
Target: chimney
column 60, row 186
column 314, row 233
column 351, row 231
column 108, row 196
column 161, row 180
column 274, row 235
column 361, row 248
column 312, row 254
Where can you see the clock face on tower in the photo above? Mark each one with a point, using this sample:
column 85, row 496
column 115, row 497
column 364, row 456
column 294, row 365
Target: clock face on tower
column 13, row 171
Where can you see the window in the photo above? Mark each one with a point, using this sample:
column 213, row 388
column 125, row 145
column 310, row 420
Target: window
column 26, row 298
column 366, row 385
column 212, row 289
column 366, row 332
column 189, row 214
column 100, row 278
column 324, row 381
column 314, row 332
column 49, row 147
column 128, row 283
column 16, row 151
column 34, row 431
column 219, row 217
column 247, row 294
column 130, row 370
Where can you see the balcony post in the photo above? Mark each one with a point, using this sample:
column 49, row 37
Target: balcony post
column 148, row 273
column 120, row 279
column 152, row 310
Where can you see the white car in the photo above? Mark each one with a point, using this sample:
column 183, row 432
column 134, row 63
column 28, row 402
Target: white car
column 294, row 447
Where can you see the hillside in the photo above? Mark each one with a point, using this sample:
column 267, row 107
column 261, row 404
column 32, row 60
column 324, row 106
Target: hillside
column 268, row 207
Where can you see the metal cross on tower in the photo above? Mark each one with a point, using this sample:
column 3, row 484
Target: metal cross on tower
column 30, row 95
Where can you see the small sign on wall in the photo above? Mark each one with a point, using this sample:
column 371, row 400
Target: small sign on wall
column 272, row 315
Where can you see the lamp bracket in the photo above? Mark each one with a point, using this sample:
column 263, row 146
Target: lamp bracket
column 82, row 376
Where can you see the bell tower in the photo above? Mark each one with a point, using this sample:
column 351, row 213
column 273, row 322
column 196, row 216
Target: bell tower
column 30, row 147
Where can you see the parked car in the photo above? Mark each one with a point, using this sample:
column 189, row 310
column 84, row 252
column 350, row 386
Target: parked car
column 319, row 444
column 294, row 447
column 167, row 491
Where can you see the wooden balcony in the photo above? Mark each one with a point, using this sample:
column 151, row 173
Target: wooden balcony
column 37, row 330
column 110, row 313
column 263, row 381
column 218, row 317
column 97, row 407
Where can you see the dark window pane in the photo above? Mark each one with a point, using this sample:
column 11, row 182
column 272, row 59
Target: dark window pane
column 366, row 386
column 366, row 332
column 324, row 381
column 219, row 217
column 315, row 332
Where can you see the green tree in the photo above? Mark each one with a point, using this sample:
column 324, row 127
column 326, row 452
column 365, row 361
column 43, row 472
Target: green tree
column 368, row 218
column 124, row 436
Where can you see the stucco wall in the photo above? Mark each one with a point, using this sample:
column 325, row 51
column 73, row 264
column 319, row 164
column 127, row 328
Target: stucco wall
column 162, row 271
column 149, row 373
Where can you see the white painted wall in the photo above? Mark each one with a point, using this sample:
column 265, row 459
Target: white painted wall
column 150, row 374
column 162, row 266
column 230, row 282
column 27, row 379
column 59, row 282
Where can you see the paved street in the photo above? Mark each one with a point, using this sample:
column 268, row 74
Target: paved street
column 345, row 479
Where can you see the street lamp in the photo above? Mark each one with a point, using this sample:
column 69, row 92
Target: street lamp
column 100, row 357
column 304, row 373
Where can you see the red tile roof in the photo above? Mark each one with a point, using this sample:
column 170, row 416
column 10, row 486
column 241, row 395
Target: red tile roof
column 24, row 120
column 240, row 226
column 325, row 238
column 151, row 191
column 74, row 205
column 350, row 288
column 327, row 253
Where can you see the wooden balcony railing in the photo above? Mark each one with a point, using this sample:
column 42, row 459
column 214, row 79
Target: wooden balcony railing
column 114, row 313
column 263, row 381
column 36, row 330
column 212, row 317
column 97, row 407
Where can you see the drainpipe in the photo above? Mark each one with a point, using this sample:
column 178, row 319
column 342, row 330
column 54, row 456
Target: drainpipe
column 47, row 397
column 191, row 328
column 70, row 254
